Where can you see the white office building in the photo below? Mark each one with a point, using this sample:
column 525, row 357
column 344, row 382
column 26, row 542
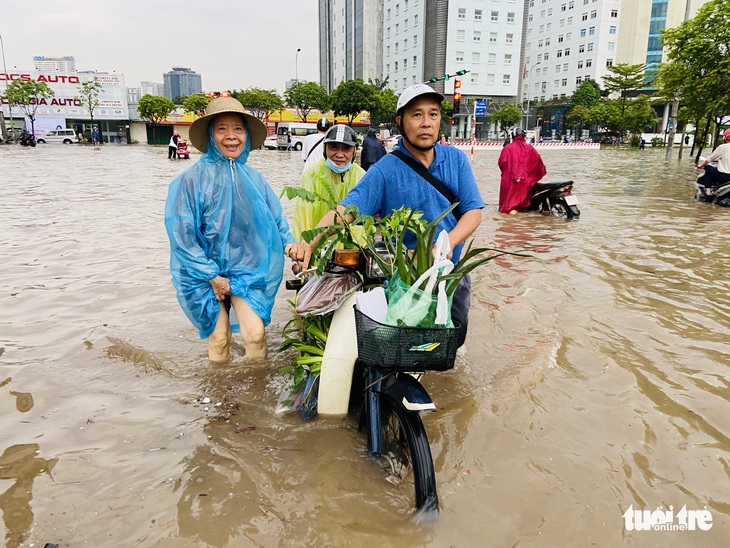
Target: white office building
column 565, row 43
column 65, row 64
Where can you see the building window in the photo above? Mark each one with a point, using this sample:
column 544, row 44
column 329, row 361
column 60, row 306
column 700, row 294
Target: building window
column 396, row 28
column 557, row 68
column 550, row 11
column 578, row 81
column 612, row 30
column 404, row 82
column 415, row 60
column 388, row 32
column 413, row 79
column 387, row 50
column 541, row 29
column 510, row 17
column 462, row 13
column 397, row 9
column 387, row 68
column 580, row 64
column 611, row 46
column 396, row 47
column 396, row 66
column 459, row 56
column 614, row 13
column 560, row 38
column 568, row 36
column 565, row 67
column 567, row 51
column 509, row 38
column 475, row 57
column 405, row 44
column 548, row 27
column 547, row 56
column 540, row 43
column 490, row 78
column 492, row 58
column 505, row 78
column 570, row 21
column 593, row 14
column 563, row 7
column 589, row 63
column 477, row 36
column 581, row 48
column 609, row 62
column 492, row 37
column 560, row 53
column 547, row 41
column 507, row 58
column 584, row 16
column 388, row 13
column 582, row 33
column 556, row 83
column 477, row 15
column 415, row 20
column 590, row 47
column 474, row 78
column 591, row 31
column 460, row 35
column 571, row 5
column 564, row 82
column 539, row 58
column 562, row 23
column 415, row 40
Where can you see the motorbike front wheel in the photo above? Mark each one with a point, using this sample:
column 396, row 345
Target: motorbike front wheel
column 405, row 447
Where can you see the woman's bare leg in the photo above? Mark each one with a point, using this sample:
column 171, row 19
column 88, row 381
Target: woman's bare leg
column 219, row 342
column 252, row 329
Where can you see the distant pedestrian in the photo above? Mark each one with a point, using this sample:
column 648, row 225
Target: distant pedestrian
column 686, row 139
column 312, row 145
column 642, row 144
column 172, row 146
column 96, row 137
column 372, row 149
column 288, row 141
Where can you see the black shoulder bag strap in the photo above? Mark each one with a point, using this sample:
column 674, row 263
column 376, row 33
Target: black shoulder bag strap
column 419, row 168
column 312, row 149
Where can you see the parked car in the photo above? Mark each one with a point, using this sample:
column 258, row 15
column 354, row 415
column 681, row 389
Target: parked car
column 390, row 142
column 65, row 136
column 270, row 142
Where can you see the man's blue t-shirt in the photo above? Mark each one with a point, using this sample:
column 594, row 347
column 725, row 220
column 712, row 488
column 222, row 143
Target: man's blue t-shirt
column 390, row 184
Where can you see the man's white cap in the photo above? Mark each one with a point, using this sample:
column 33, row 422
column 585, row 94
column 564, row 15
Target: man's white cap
column 414, row 91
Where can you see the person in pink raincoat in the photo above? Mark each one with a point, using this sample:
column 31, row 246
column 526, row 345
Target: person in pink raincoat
column 521, row 168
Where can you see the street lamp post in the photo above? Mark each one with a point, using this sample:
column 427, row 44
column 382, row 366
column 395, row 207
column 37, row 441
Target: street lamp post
column 5, row 70
column 529, row 79
column 296, row 65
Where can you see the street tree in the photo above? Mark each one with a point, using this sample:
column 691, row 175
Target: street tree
column 640, row 116
column 27, row 95
column 351, row 97
column 606, row 114
column 196, row 104
column 623, row 78
column 588, row 94
column 155, row 109
column 88, row 94
column 383, row 108
column 697, row 71
column 579, row 117
column 507, row 116
column 261, row 102
column 306, row 97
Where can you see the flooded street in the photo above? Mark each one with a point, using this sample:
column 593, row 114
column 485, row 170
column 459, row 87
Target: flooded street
column 597, row 374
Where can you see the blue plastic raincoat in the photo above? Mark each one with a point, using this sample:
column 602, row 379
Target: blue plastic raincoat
column 223, row 218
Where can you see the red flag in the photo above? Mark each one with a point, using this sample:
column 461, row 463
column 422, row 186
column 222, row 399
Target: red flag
column 524, row 72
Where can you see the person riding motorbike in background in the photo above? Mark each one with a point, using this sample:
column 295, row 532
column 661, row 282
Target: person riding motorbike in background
column 715, row 176
column 336, row 166
column 521, row 168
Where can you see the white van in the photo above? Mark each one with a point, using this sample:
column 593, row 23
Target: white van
column 299, row 131
column 65, row 136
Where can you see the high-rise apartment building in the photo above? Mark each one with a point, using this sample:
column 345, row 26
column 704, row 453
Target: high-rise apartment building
column 59, row 64
column 182, row 82
column 152, row 88
column 565, row 43
column 350, row 41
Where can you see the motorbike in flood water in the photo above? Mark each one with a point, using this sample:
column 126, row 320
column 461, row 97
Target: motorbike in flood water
column 714, row 194
column 555, row 199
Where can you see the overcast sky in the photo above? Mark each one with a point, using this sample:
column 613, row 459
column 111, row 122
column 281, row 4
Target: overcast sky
column 230, row 43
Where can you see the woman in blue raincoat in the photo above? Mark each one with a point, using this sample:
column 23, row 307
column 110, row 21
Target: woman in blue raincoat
column 227, row 234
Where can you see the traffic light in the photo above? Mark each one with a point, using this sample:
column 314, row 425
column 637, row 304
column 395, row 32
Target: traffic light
column 446, row 77
column 461, row 72
column 452, row 121
column 433, row 80
column 457, row 95
column 449, row 113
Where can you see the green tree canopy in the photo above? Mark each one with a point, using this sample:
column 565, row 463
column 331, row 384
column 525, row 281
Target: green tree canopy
column 306, row 97
column 579, row 117
column 383, row 108
column 507, row 116
column 623, row 78
column 196, row 104
column 697, row 71
column 88, row 94
column 351, row 97
column 155, row 108
column 606, row 114
column 588, row 94
column 640, row 115
column 27, row 95
column 260, row 102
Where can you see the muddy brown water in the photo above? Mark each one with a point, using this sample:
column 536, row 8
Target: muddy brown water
column 596, row 375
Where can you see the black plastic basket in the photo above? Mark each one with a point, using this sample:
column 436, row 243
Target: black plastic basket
column 405, row 348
